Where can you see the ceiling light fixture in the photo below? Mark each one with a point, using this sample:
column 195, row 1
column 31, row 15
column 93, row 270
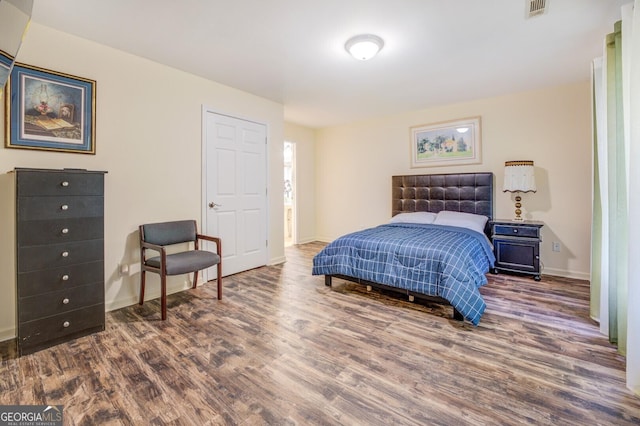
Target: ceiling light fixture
column 364, row 47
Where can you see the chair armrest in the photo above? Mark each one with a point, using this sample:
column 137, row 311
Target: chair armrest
column 208, row 238
column 144, row 246
column 216, row 240
column 155, row 247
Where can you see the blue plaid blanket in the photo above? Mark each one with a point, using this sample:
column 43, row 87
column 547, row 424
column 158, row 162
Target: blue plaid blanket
column 435, row 260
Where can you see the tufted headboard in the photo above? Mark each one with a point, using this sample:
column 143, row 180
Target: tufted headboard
column 461, row 192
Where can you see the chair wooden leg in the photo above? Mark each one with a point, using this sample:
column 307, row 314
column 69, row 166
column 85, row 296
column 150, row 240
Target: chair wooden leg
column 163, row 299
column 195, row 279
column 142, row 279
column 219, row 280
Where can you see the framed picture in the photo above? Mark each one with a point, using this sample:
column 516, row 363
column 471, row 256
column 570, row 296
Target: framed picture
column 449, row 143
column 48, row 110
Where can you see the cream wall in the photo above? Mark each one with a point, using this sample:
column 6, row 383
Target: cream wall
column 304, row 139
column 149, row 140
column 355, row 162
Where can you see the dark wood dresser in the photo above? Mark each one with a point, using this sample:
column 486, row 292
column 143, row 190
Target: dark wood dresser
column 60, row 256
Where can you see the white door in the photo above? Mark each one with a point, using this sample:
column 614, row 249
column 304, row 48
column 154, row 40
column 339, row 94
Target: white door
column 235, row 190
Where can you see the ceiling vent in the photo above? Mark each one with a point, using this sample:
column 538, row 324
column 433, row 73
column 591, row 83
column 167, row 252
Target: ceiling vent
column 536, row 7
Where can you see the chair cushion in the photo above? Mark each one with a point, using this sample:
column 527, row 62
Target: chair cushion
column 187, row 261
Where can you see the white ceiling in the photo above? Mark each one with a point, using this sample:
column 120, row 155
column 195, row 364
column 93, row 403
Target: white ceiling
column 292, row 51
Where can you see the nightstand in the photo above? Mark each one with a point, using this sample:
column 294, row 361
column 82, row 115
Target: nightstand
column 516, row 245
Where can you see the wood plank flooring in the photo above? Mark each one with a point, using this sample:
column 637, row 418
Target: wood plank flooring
column 283, row 349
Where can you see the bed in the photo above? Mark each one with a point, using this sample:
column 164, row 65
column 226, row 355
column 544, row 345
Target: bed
column 424, row 252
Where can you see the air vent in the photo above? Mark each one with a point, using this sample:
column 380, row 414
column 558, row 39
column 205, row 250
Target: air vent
column 536, row 7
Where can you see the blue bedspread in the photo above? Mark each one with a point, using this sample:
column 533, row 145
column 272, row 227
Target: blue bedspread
column 435, row 260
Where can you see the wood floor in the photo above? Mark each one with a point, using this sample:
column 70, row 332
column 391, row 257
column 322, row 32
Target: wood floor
column 283, row 349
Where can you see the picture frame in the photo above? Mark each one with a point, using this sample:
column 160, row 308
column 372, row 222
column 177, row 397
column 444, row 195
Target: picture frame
column 49, row 110
column 447, row 143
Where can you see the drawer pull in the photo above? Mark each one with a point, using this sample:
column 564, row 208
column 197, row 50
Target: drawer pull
column 65, row 184
column 65, row 230
column 64, row 207
column 65, row 301
column 65, row 254
column 65, row 277
column 66, row 324
column 515, row 231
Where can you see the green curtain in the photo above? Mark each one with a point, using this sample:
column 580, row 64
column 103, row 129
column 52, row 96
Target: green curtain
column 617, row 193
column 631, row 37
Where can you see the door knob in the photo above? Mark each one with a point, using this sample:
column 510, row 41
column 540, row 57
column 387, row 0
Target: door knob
column 212, row 205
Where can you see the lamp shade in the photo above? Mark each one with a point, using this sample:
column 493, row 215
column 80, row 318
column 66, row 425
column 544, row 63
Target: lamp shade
column 519, row 176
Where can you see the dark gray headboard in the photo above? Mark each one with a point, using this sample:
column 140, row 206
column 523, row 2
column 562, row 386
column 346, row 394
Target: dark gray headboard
column 462, row 192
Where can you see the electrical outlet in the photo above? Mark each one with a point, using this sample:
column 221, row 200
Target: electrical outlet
column 555, row 246
column 124, row 269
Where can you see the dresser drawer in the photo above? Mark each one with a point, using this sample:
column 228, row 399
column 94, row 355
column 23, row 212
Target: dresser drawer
column 48, row 280
column 47, row 183
column 38, row 232
column 40, row 208
column 34, row 258
column 521, row 231
column 58, row 302
column 51, row 328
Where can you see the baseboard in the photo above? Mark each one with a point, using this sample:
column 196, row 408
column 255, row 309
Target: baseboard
column 149, row 293
column 324, row 239
column 306, row 240
column 121, row 303
column 277, row 260
column 7, row 334
column 566, row 274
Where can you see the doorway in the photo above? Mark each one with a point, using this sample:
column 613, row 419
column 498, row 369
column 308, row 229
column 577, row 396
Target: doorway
column 289, row 193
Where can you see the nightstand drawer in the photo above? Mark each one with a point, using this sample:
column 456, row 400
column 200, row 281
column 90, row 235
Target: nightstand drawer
column 521, row 231
column 518, row 255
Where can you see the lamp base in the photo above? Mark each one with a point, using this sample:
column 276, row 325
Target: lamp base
column 518, row 211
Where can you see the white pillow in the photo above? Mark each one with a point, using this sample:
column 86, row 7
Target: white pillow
column 475, row 222
column 414, row 217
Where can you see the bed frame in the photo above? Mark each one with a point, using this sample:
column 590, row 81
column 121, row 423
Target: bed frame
column 461, row 192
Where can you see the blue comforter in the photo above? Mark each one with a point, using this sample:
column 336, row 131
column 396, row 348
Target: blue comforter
column 435, row 260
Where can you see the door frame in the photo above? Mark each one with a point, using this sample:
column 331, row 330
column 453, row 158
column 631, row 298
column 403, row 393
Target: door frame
column 203, row 176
